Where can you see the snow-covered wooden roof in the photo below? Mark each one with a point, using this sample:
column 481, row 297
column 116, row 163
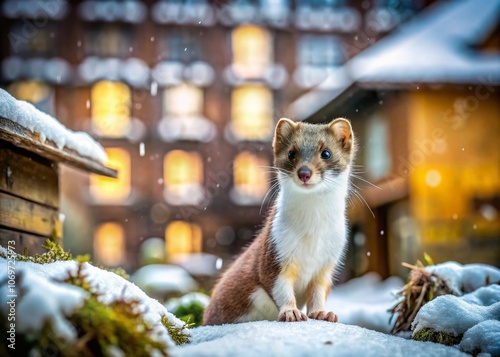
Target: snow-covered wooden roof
column 437, row 46
column 23, row 138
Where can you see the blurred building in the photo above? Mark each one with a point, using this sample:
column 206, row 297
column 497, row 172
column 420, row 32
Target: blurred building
column 184, row 96
column 425, row 104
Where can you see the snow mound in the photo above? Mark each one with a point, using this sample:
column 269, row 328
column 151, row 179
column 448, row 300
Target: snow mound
column 466, row 278
column 451, row 314
column 309, row 338
column 41, row 301
column 476, row 316
column 484, row 337
column 109, row 285
column 49, row 128
column 365, row 301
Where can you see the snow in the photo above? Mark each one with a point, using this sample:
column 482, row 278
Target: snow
column 365, row 301
column 109, row 285
column 309, row 338
column 161, row 279
column 49, row 128
column 449, row 313
column 476, row 316
column 49, row 302
column 484, row 337
column 466, row 278
column 433, row 47
column 200, row 298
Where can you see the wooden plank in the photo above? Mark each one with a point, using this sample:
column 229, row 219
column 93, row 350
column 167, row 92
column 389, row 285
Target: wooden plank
column 28, row 177
column 29, row 217
column 32, row 243
column 23, row 138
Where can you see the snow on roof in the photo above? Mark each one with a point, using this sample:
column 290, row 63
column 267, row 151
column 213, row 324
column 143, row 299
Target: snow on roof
column 49, row 128
column 435, row 47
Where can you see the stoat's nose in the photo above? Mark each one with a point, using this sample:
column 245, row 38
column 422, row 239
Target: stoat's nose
column 304, row 174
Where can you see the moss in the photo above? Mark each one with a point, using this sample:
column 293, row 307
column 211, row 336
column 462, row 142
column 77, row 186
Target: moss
column 102, row 329
column 176, row 333
column 430, row 335
column 191, row 313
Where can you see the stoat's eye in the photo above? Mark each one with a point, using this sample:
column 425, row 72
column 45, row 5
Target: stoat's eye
column 325, row 155
column 292, row 155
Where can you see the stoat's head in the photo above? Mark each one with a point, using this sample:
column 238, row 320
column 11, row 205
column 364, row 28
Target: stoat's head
column 313, row 157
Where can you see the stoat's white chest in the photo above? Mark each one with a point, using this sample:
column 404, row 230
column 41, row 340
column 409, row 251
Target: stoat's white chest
column 309, row 229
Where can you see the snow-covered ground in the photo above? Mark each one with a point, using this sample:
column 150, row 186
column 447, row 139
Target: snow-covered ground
column 365, row 301
column 308, row 338
column 49, row 128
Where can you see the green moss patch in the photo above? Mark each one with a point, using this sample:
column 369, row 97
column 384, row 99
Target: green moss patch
column 444, row 338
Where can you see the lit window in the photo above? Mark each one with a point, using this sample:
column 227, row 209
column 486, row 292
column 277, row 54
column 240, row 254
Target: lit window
column 110, row 108
column 109, row 244
column 182, row 100
column 180, row 44
column 38, row 93
column 320, row 50
column 36, row 41
column 251, row 112
column 183, row 177
column 110, row 190
column 183, row 238
column 251, row 181
column 252, row 51
column 108, row 40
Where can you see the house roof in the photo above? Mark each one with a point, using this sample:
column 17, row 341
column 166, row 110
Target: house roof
column 437, row 46
column 14, row 134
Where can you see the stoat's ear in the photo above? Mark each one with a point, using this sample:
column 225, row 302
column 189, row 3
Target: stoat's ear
column 341, row 129
column 284, row 129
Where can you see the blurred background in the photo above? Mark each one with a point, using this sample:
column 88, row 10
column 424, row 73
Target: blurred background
column 184, row 96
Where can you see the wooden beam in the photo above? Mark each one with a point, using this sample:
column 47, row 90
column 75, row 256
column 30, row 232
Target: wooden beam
column 29, row 217
column 32, row 243
column 32, row 178
column 23, row 138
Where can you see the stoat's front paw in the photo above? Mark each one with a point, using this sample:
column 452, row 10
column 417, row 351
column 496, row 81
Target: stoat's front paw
column 292, row 315
column 324, row 315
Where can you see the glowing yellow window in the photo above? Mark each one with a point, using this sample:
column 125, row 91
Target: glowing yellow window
column 251, row 181
column 109, row 190
column 251, row 112
column 38, row 93
column 252, row 51
column 110, row 108
column 182, row 100
column 183, row 177
column 109, row 244
column 183, row 238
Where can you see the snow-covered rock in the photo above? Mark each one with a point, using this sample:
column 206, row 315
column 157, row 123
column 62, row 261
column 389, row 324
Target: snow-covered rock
column 49, row 128
column 309, row 338
column 109, row 285
column 484, row 337
column 466, row 278
column 451, row 314
column 41, row 301
column 475, row 316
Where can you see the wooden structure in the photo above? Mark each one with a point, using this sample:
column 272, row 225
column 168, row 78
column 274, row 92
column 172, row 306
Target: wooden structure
column 29, row 186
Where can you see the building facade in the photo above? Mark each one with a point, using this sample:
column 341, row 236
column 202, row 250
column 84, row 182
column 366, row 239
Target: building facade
column 184, row 96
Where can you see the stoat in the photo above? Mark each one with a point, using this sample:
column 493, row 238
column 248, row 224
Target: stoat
column 291, row 262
